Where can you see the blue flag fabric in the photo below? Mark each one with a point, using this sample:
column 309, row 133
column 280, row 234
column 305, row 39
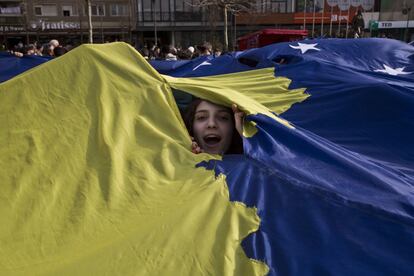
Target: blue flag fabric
column 355, row 101
column 336, row 194
column 11, row 65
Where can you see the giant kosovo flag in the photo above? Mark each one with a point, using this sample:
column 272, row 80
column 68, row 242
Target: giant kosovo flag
column 97, row 176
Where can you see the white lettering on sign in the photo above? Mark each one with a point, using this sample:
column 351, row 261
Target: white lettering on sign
column 11, row 28
column 334, row 17
column 59, row 25
column 395, row 24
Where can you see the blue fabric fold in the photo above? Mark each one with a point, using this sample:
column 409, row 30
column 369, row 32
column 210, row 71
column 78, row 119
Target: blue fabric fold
column 11, row 66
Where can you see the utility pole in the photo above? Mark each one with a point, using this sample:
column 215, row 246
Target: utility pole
column 80, row 13
column 347, row 22
column 88, row 2
column 130, row 22
column 155, row 22
column 407, row 11
column 226, row 38
column 235, row 31
column 323, row 17
column 304, row 14
column 26, row 22
column 313, row 19
column 339, row 23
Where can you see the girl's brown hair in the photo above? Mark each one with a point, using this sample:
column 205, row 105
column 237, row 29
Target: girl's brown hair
column 236, row 146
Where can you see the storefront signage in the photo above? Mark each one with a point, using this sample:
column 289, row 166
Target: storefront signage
column 395, row 24
column 326, row 17
column 47, row 25
column 11, row 28
column 334, row 17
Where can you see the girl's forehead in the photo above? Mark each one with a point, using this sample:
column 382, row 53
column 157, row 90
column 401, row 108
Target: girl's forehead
column 208, row 106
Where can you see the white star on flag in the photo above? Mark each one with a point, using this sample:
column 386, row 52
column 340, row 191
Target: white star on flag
column 305, row 47
column 393, row 72
column 202, row 64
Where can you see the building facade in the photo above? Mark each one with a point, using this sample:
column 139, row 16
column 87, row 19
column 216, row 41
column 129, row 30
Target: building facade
column 170, row 22
column 12, row 21
column 181, row 22
column 184, row 23
column 322, row 18
column 66, row 20
column 396, row 20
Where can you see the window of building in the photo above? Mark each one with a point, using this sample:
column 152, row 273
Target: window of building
column 278, row 6
column 309, row 5
column 96, row 9
column 69, row 10
column 45, row 10
column 165, row 10
column 185, row 5
column 38, row 10
column 119, row 9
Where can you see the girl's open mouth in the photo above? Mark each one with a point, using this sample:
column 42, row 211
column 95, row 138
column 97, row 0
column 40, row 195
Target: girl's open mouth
column 212, row 139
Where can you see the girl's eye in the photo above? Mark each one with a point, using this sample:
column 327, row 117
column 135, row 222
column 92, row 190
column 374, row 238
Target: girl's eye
column 200, row 118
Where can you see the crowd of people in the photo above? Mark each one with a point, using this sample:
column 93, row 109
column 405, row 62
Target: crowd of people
column 169, row 52
column 51, row 49
column 153, row 52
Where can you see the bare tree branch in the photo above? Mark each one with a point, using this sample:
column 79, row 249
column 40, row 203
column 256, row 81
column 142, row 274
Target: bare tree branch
column 226, row 6
column 231, row 5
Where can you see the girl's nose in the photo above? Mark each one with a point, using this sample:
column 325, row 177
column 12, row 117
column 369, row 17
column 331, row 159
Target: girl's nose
column 211, row 123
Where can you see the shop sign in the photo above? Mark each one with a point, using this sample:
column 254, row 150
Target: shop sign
column 11, row 28
column 300, row 17
column 395, row 24
column 334, row 17
column 48, row 25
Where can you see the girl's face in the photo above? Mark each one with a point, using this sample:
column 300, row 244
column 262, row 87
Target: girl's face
column 213, row 127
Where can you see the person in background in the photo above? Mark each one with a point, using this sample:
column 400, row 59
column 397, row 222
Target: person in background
column 168, row 52
column 30, row 50
column 145, row 52
column 205, row 49
column 54, row 43
column 217, row 52
column 358, row 24
column 51, row 46
column 59, row 51
column 191, row 49
column 155, row 53
column 185, row 54
column 39, row 49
